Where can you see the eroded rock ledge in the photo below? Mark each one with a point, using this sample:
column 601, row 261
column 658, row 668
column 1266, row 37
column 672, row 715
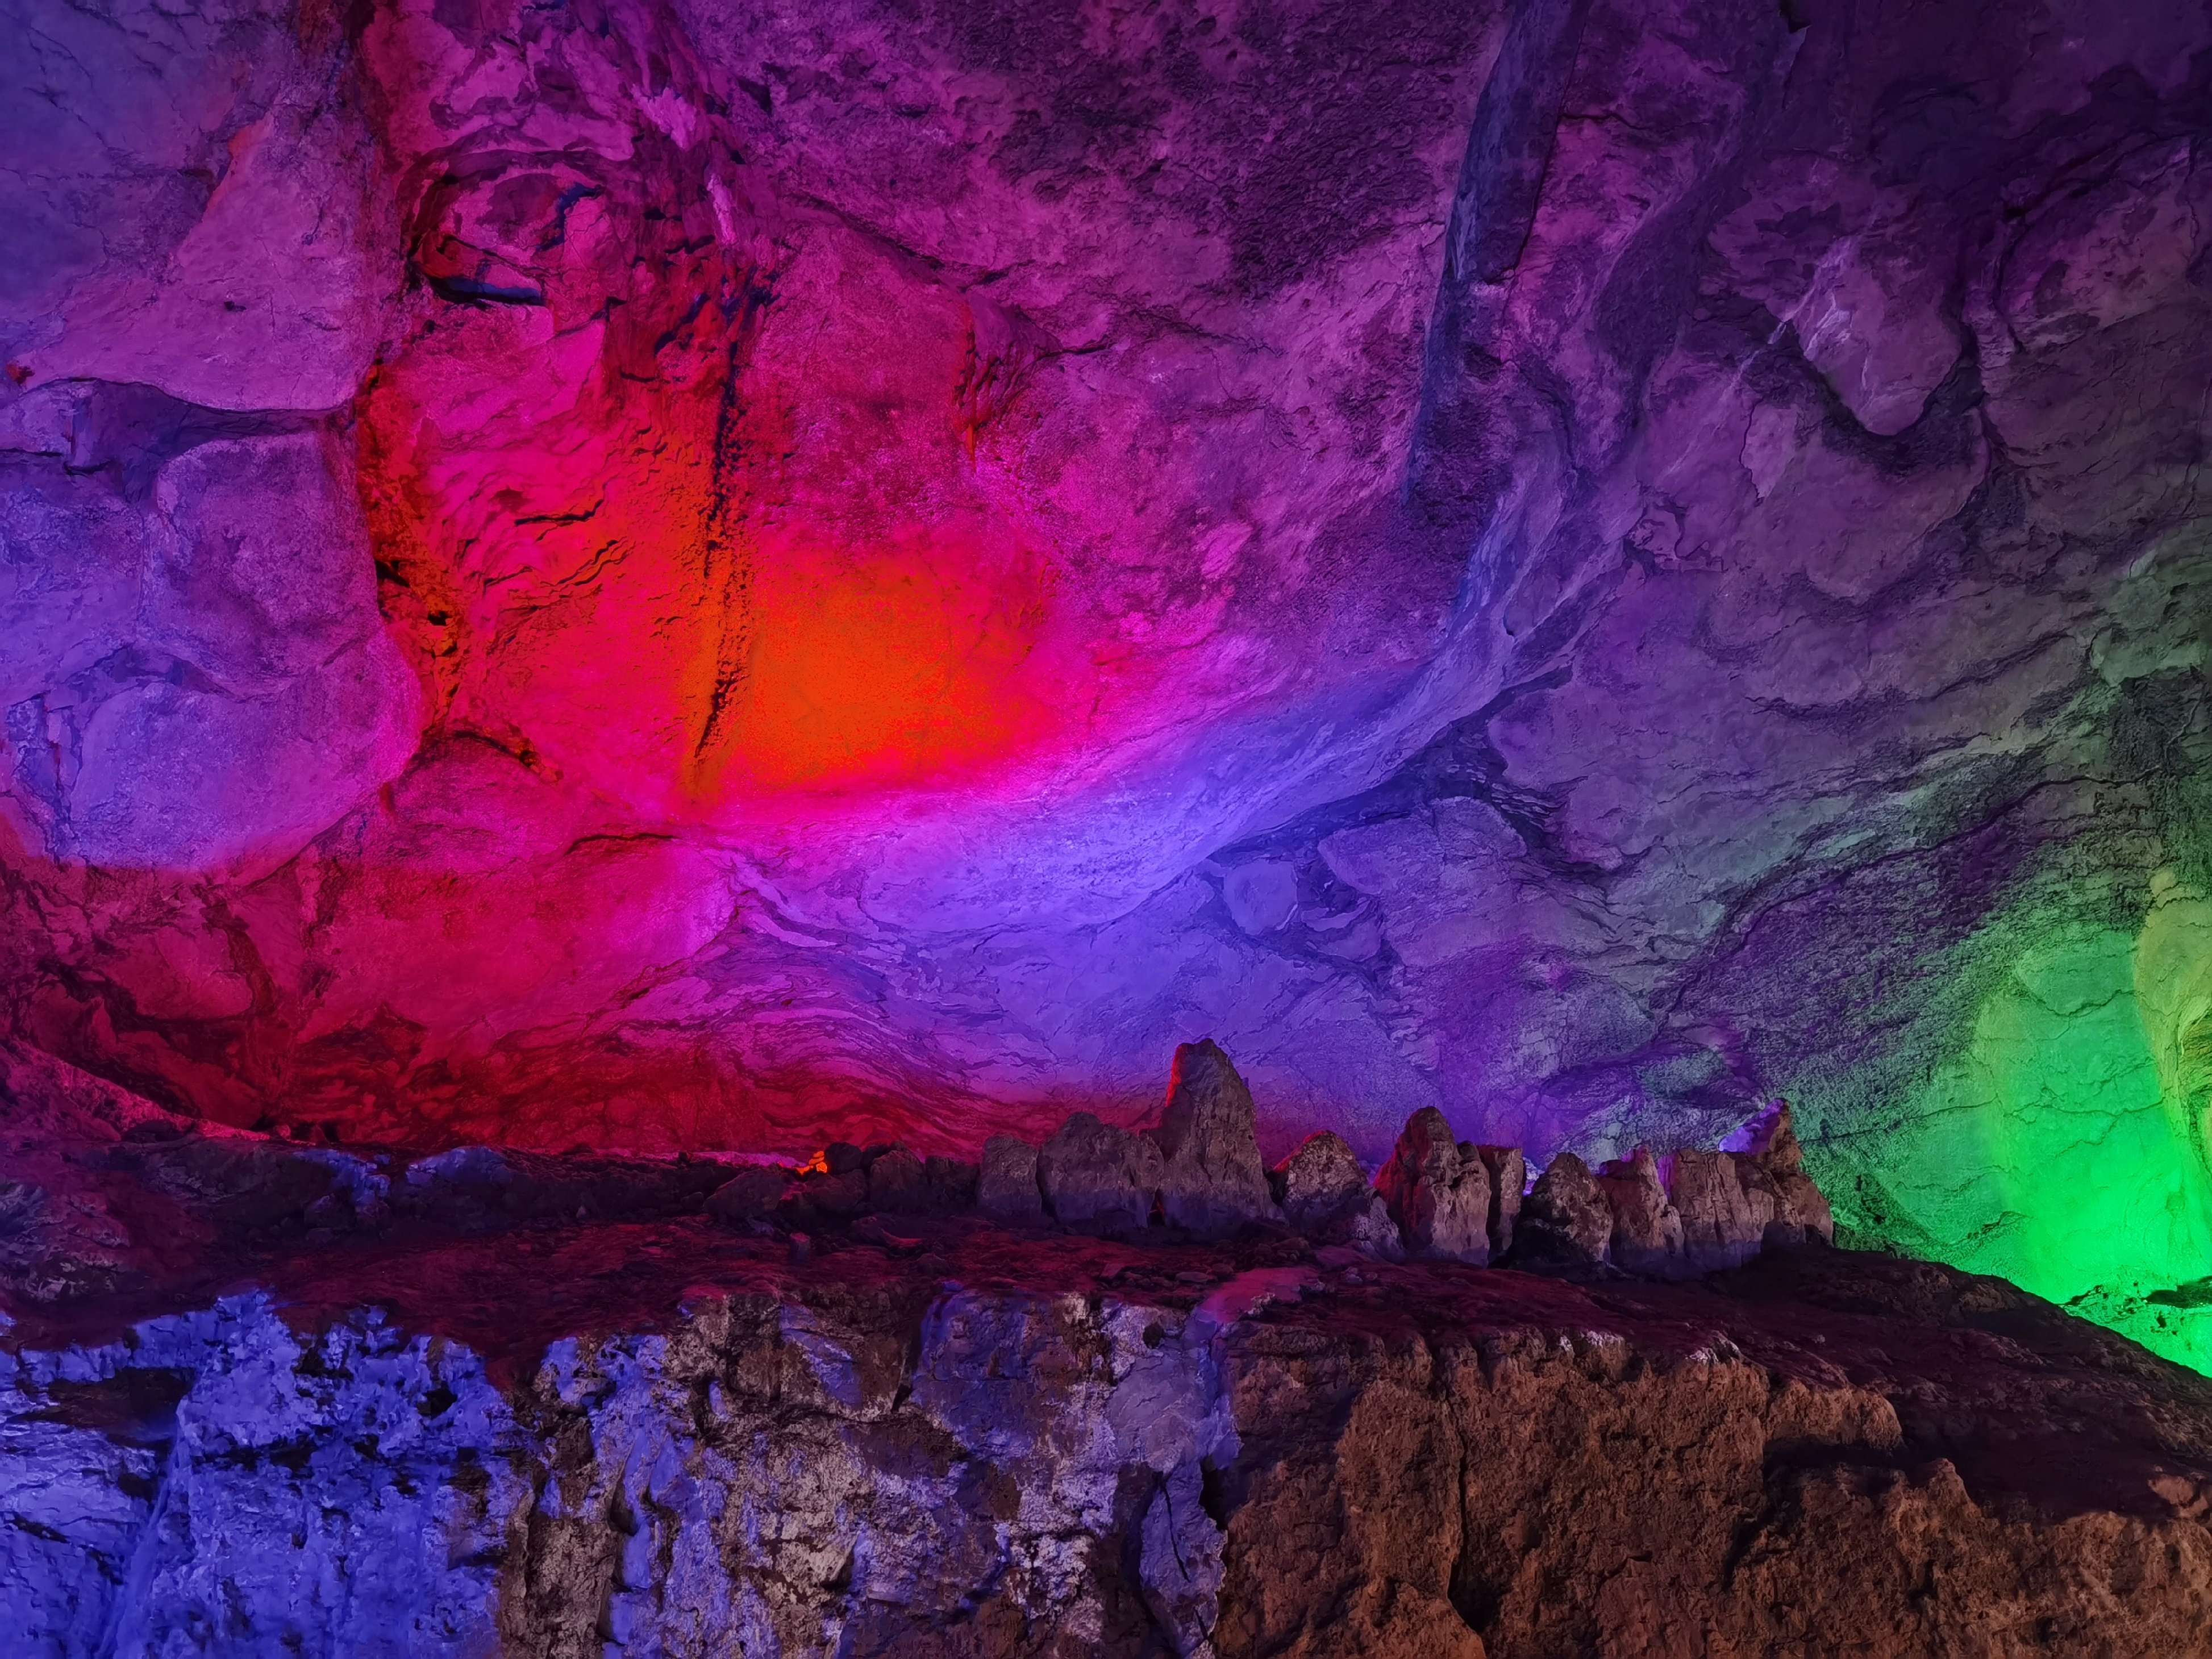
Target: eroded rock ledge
column 1198, row 1175
column 483, row 1403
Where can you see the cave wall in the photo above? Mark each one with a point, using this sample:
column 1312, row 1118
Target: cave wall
column 720, row 574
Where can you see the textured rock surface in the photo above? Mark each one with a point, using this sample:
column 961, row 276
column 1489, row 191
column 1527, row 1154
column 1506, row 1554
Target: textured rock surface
column 1724, row 1220
column 1078, row 1446
column 1566, row 1220
column 1440, row 1200
column 729, row 575
column 1325, row 1195
column 1647, row 1228
column 275, row 1396
column 1212, row 1180
column 1508, row 1168
column 1094, row 1174
column 1007, row 1186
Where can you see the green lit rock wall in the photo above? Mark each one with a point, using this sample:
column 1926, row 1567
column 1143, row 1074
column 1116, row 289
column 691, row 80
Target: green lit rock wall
column 2041, row 1113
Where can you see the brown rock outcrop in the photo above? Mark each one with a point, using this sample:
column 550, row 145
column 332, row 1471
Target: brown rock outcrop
column 1323, row 1193
column 1647, row 1228
column 1775, row 1162
column 1564, row 1220
column 1567, row 1487
column 960, row 1440
column 1723, row 1225
column 1212, row 1180
column 1097, row 1177
column 1440, row 1200
column 1509, row 1184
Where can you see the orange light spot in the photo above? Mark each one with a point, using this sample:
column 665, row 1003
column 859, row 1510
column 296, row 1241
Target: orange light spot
column 897, row 667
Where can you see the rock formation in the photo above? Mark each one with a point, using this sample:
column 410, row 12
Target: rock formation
column 1647, row 1228
column 1724, row 1219
column 1774, row 1161
column 477, row 1416
column 1324, row 1194
column 1006, row 1187
column 491, row 1397
column 631, row 630
column 1440, row 1200
column 1212, row 1180
column 789, row 575
column 1567, row 1220
column 1094, row 1174
column 1508, row 1169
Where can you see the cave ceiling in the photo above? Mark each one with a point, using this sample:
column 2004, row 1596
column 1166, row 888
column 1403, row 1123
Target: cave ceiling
column 723, row 575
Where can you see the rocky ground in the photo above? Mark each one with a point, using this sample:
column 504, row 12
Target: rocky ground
column 262, row 1397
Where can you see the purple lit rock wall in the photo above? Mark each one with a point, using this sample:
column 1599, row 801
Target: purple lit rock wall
column 729, row 575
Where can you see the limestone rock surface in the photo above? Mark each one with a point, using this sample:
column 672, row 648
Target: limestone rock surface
column 1647, row 1228
column 1724, row 1219
column 1094, row 1174
column 1006, row 1187
column 1566, row 1219
column 1440, row 1200
column 1248, row 1453
column 721, row 576
column 1212, row 1179
column 1323, row 1193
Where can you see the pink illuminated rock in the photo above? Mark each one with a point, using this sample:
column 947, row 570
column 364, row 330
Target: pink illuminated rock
column 752, row 1195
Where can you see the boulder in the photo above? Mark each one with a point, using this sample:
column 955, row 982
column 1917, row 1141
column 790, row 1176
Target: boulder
column 1098, row 1177
column 1212, row 1180
column 749, row 1195
column 898, row 1183
column 1647, row 1230
column 1006, row 1182
column 1323, row 1193
column 816, row 1198
column 1565, row 1221
column 1440, row 1201
column 1722, row 1223
column 1320, row 1180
